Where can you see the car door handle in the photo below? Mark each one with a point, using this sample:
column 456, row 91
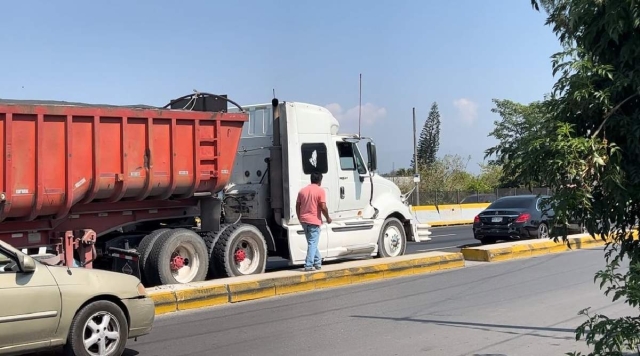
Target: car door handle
column 341, row 192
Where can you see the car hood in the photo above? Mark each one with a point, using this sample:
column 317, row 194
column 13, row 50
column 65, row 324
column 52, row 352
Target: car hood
column 96, row 282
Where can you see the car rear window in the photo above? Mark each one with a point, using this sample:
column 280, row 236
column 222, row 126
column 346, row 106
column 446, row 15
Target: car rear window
column 519, row 203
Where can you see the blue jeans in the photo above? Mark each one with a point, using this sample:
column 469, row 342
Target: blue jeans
column 312, row 233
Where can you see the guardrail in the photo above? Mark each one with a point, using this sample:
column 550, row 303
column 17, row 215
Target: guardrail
column 448, row 214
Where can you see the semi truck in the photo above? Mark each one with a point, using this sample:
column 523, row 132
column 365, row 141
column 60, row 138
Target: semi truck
column 190, row 191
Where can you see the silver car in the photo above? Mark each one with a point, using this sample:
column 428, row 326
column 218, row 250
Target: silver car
column 87, row 311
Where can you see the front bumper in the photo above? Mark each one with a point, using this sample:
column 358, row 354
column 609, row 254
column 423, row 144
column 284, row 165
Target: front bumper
column 420, row 232
column 142, row 313
column 505, row 233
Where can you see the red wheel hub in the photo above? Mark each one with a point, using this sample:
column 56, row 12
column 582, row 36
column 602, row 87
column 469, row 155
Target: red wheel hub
column 240, row 255
column 177, row 262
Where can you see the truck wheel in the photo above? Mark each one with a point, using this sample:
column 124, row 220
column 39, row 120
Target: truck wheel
column 393, row 239
column 179, row 256
column 144, row 248
column 100, row 328
column 210, row 238
column 241, row 250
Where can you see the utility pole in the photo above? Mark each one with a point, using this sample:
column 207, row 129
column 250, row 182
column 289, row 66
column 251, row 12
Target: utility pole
column 415, row 159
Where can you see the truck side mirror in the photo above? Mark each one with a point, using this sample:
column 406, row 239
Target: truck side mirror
column 372, row 157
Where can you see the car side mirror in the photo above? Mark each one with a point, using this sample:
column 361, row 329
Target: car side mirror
column 27, row 263
column 372, row 157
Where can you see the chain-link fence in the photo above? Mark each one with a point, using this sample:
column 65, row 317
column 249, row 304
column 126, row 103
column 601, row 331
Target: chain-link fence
column 436, row 197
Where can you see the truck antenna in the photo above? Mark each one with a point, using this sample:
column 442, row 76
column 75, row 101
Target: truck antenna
column 360, row 106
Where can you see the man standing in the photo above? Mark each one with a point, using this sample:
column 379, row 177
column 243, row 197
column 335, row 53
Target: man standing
column 310, row 203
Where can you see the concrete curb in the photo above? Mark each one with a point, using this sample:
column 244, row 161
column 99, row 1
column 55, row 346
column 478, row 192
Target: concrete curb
column 529, row 248
column 173, row 298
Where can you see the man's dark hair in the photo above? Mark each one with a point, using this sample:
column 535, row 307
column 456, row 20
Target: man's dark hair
column 316, row 178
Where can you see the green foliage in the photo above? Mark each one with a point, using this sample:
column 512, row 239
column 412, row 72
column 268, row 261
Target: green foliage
column 583, row 141
column 402, row 172
column 450, row 173
column 519, row 126
column 490, row 178
column 429, row 141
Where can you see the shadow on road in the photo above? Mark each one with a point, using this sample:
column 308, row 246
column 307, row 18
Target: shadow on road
column 484, row 326
column 469, row 245
column 58, row 352
column 277, row 264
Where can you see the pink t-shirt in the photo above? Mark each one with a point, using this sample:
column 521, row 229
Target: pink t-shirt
column 310, row 198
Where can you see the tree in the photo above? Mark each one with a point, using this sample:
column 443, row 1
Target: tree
column 516, row 128
column 586, row 145
column 490, row 177
column 429, row 141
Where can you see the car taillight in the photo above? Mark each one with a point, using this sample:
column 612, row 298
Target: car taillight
column 524, row 217
column 476, row 219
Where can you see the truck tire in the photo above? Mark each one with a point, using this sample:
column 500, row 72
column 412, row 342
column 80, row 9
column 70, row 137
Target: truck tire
column 144, row 248
column 210, row 238
column 112, row 335
column 240, row 250
column 178, row 257
column 392, row 241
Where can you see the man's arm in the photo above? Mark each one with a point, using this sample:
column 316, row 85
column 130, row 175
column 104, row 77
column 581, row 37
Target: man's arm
column 298, row 206
column 323, row 206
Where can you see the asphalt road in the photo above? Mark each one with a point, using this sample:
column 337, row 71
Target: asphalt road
column 449, row 239
column 521, row 307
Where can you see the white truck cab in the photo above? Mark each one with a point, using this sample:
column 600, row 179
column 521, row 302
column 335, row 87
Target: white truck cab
column 281, row 145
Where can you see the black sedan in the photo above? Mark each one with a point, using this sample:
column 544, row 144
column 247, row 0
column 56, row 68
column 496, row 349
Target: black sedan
column 514, row 218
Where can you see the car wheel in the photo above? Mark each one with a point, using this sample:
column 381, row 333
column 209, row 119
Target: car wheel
column 100, row 328
column 543, row 231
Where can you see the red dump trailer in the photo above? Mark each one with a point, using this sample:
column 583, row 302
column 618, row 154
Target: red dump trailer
column 117, row 187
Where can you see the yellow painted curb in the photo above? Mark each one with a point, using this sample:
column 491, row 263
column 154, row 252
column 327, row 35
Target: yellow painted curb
column 529, row 248
column 450, row 207
column 232, row 290
column 199, row 295
column 164, row 299
column 250, row 290
column 450, row 223
column 294, row 284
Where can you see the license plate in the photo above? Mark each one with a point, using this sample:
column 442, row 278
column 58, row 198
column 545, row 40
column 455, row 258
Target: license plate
column 496, row 219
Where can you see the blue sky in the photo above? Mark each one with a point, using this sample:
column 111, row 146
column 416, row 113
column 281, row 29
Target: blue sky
column 460, row 54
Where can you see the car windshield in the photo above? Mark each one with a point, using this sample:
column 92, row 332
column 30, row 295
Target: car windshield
column 518, row 203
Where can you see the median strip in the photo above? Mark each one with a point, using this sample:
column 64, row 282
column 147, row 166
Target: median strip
column 529, row 248
column 172, row 298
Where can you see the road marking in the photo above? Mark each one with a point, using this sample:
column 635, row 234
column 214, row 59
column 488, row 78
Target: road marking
column 443, row 235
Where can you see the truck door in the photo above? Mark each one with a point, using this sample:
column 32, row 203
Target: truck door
column 354, row 187
column 352, row 235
